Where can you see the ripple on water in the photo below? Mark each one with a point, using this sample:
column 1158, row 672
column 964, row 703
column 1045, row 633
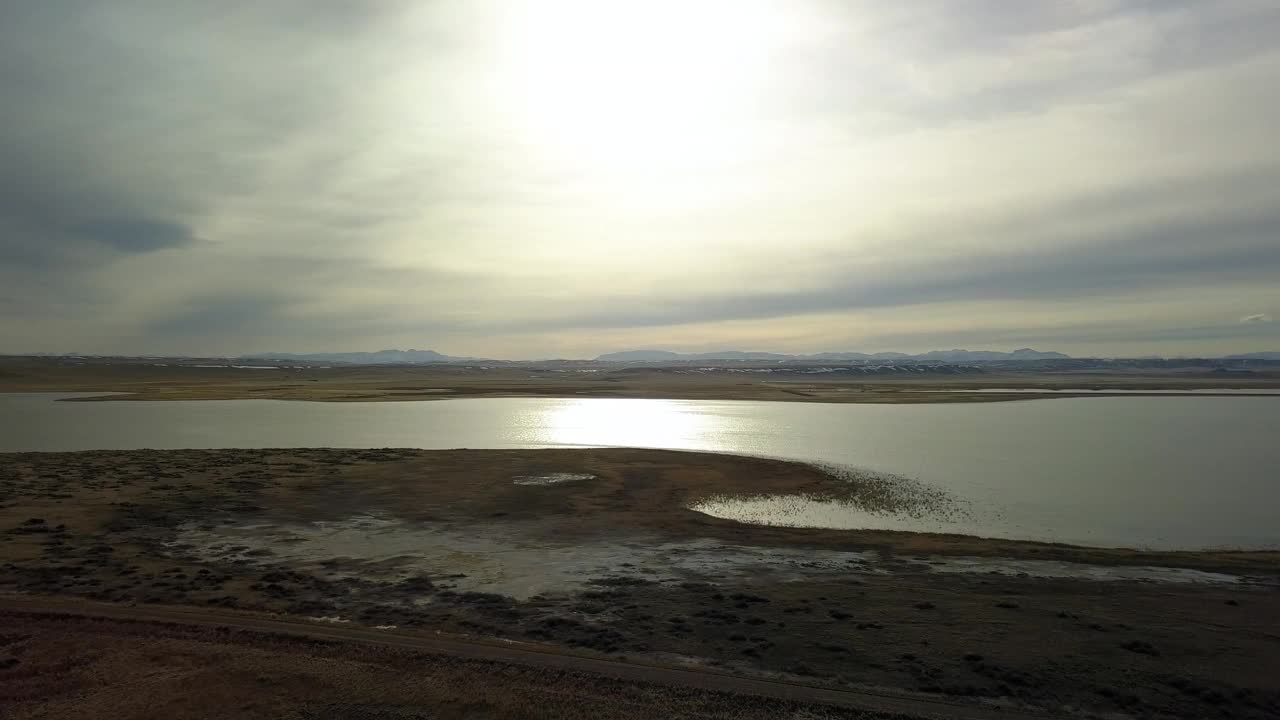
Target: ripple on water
column 808, row 512
column 885, row 493
column 854, row 500
column 551, row 478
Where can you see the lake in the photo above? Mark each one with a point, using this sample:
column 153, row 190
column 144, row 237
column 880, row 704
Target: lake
column 1154, row 472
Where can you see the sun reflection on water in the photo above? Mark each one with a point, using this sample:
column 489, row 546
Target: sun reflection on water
column 634, row 423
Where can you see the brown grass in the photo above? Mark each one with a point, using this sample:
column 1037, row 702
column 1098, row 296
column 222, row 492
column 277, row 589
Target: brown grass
column 356, row 383
column 107, row 670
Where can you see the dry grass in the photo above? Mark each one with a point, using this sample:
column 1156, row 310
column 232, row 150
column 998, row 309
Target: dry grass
column 106, row 670
column 356, row 383
column 635, row 489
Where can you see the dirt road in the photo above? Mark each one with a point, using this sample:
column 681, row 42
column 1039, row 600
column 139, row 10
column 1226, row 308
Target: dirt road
column 530, row 655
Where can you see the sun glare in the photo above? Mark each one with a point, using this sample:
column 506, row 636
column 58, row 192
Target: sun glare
column 632, row 87
column 610, row 422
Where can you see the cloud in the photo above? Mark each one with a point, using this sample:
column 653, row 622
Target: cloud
column 302, row 176
column 137, row 234
column 1050, row 259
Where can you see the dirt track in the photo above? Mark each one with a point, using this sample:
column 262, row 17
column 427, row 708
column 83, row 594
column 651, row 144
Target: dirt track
column 19, row 609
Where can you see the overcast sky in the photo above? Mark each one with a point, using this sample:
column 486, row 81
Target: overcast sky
column 566, row 178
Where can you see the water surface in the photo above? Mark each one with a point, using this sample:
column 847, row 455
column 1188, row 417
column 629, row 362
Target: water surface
column 1158, row 472
column 1127, row 391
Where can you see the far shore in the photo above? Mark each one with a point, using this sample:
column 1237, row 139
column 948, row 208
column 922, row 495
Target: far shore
column 136, row 381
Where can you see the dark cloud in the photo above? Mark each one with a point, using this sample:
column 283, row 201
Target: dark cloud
column 251, row 315
column 137, row 235
column 122, row 122
column 262, row 320
column 51, row 229
column 277, row 301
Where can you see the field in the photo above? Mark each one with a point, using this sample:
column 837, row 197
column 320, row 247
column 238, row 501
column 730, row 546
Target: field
column 593, row 554
column 190, row 381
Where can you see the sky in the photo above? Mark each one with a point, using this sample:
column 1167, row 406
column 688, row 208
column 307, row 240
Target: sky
column 564, row 178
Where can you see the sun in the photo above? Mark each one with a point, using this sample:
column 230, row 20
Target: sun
column 636, row 87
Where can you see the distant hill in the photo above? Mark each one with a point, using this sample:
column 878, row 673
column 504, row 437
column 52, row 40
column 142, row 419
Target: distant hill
column 857, row 356
column 662, row 355
column 381, row 357
column 668, row 356
column 971, row 355
column 934, row 355
column 639, row 356
column 1255, row 356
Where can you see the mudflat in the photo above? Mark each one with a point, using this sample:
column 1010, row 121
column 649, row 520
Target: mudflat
column 162, row 381
column 596, row 553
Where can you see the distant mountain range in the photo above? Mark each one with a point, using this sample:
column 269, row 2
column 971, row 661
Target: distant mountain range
column 426, row 357
column 381, row 357
column 934, row 355
column 420, row 357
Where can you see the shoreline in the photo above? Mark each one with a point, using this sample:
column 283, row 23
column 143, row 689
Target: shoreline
column 423, row 383
column 892, row 397
column 680, row 520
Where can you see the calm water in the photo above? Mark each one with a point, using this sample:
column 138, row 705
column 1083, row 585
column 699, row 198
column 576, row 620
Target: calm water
column 1061, row 391
column 1164, row 472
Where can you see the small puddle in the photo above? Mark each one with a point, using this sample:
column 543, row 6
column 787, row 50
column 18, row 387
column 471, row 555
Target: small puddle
column 551, row 478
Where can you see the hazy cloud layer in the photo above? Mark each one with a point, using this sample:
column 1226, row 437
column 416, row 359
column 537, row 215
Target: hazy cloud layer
column 526, row 179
